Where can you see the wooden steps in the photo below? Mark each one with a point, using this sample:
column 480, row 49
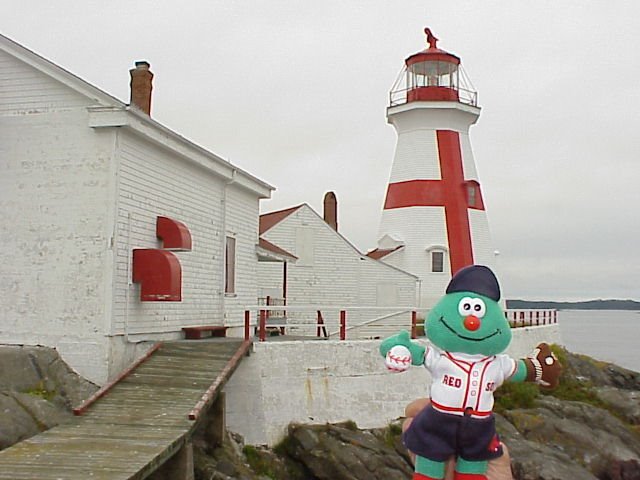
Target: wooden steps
column 139, row 423
column 204, row 331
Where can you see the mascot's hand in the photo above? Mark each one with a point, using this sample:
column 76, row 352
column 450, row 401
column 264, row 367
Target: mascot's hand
column 543, row 367
column 404, row 339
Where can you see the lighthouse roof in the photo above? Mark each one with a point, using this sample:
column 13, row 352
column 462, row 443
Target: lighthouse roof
column 433, row 53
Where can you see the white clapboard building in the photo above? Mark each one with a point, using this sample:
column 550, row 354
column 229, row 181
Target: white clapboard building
column 115, row 230
column 330, row 274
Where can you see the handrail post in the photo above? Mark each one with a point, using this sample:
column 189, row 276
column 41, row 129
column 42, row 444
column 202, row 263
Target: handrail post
column 343, row 325
column 247, row 322
column 414, row 324
column 263, row 325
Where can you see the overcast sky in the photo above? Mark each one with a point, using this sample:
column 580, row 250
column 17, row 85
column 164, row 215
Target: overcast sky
column 295, row 93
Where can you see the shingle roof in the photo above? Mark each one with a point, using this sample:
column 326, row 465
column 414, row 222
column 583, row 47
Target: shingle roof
column 379, row 253
column 262, row 243
column 269, row 220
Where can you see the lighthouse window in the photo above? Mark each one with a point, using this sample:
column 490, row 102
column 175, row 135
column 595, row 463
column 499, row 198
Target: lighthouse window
column 437, row 262
column 471, row 194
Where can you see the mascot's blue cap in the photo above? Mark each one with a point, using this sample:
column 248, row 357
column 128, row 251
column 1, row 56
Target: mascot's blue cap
column 477, row 279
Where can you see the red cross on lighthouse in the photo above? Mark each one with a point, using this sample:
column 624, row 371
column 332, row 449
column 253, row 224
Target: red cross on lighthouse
column 452, row 192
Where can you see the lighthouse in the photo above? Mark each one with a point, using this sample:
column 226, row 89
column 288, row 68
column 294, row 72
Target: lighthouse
column 433, row 220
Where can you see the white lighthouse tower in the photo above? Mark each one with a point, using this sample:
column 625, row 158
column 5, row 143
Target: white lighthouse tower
column 433, row 220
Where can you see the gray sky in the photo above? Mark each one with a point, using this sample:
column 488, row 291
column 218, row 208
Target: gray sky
column 295, row 93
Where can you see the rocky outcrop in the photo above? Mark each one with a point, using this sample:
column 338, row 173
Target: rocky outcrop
column 37, row 391
column 589, row 428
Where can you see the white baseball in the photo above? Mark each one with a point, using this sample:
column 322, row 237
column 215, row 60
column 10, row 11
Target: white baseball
column 398, row 359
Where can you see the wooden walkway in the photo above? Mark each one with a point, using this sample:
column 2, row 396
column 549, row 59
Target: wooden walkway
column 139, row 424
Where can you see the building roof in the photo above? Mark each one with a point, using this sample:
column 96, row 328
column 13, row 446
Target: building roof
column 269, row 252
column 271, row 219
column 379, row 253
column 111, row 112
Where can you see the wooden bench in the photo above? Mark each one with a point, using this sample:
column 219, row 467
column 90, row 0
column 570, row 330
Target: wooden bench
column 196, row 333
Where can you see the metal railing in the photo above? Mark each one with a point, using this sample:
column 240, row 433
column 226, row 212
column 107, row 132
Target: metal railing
column 336, row 322
column 329, row 321
column 531, row 318
column 399, row 97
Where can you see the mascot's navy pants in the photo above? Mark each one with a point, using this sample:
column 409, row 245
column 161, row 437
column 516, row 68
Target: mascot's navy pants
column 438, row 436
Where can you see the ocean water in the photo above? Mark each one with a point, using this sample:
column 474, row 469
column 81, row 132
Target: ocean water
column 609, row 335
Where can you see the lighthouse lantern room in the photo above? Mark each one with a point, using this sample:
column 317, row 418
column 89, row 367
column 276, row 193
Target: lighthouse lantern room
column 433, row 221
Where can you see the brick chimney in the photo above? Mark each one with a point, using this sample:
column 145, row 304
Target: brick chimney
column 141, row 79
column 331, row 210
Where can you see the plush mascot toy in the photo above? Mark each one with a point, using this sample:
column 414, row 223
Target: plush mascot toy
column 467, row 331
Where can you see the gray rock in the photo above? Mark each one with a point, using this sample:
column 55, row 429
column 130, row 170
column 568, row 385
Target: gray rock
column 538, row 461
column 590, row 436
column 38, row 391
column 15, row 423
column 601, row 374
column 341, row 453
column 626, row 403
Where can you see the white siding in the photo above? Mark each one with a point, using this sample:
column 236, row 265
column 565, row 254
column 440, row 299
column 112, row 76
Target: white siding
column 339, row 276
column 154, row 183
column 483, row 253
column 468, row 162
column 242, row 221
column 75, row 201
column 416, row 157
column 55, row 226
column 24, row 89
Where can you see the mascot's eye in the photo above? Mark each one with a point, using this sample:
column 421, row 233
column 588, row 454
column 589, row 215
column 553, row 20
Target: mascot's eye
column 472, row 306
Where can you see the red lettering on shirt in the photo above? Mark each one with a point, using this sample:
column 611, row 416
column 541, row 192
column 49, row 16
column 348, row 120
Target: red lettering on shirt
column 452, row 381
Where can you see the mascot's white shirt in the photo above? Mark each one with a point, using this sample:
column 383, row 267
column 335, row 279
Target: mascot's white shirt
column 465, row 383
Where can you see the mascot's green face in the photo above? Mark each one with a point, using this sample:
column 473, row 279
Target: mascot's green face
column 468, row 322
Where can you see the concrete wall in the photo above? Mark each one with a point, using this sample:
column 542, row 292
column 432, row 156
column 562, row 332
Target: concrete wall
column 330, row 381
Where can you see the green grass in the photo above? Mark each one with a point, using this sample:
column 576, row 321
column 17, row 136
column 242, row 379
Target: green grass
column 515, row 395
column 391, row 433
column 257, row 462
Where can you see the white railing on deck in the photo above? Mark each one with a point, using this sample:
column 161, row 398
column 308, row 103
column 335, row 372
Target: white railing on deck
column 531, row 318
column 332, row 321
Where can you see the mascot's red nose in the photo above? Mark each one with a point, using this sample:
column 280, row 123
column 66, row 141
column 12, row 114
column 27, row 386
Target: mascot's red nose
column 472, row 323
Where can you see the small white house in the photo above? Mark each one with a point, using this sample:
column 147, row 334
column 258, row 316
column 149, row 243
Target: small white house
column 332, row 274
column 115, row 230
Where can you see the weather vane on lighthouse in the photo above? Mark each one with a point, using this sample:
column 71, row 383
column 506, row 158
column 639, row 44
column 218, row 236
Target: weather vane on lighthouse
column 433, row 221
column 431, row 38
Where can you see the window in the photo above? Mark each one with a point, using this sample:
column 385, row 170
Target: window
column 230, row 266
column 471, row 194
column 437, row 261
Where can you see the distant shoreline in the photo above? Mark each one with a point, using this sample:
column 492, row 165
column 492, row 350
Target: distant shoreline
column 585, row 305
